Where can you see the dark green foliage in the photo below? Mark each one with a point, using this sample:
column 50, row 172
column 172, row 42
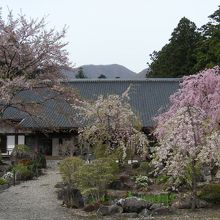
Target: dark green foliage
column 37, row 164
column 80, row 74
column 177, row 57
column 40, row 161
column 210, row 193
column 102, row 77
column 208, row 50
column 189, row 49
column 3, row 181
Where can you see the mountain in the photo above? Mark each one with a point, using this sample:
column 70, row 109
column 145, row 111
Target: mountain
column 111, row 71
column 142, row 74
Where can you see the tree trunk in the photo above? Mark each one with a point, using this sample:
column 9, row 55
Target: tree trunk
column 194, row 186
column 193, row 162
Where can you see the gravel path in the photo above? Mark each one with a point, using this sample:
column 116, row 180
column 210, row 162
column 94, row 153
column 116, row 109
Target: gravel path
column 34, row 200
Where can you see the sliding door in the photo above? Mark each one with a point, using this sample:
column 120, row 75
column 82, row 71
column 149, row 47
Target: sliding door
column 10, row 143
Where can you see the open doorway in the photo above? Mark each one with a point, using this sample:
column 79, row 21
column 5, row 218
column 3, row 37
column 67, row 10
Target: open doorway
column 45, row 146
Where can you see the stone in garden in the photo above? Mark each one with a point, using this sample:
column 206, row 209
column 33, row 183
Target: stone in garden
column 186, row 203
column 109, row 210
column 4, row 186
column 71, row 197
column 145, row 213
column 155, row 206
column 201, row 204
column 116, row 185
column 161, row 211
column 60, row 194
column 91, row 207
column 126, row 181
column 103, row 210
column 182, row 203
column 59, row 185
column 133, row 204
column 129, row 215
column 217, row 176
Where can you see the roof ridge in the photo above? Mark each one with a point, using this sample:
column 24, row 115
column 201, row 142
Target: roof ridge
column 125, row 80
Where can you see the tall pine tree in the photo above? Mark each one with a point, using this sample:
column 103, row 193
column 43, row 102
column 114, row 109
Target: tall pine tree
column 208, row 51
column 177, row 58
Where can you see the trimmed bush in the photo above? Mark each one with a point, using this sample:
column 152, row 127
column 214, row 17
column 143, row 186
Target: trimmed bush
column 92, row 179
column 22, row 172
column 68, row 167
column 210, row 193
column 21, row 152
column 142, row 181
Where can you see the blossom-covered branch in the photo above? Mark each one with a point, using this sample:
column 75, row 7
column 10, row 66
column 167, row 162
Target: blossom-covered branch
column 112, row 123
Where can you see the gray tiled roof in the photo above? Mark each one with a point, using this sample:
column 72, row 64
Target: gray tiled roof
column 146, row 98
column 50, row 112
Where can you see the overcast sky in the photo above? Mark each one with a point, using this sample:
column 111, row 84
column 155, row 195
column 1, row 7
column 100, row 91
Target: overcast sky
column 115, row 31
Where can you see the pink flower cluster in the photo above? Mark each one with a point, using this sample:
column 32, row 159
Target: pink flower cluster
column 188, row 133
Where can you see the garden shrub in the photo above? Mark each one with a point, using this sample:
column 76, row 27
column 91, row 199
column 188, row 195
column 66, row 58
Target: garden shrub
column 100, row 151
column 37, row 164
column 162, row 179
column 25, row 162
column 3, row 181
column 22, row 172
column 21, row 152
column 210, row 193
column 144, row 168
column 40, row 161
column 68, row 167
column 180, row 183
column 92, row 179
column 142, row 181
column 34, row 167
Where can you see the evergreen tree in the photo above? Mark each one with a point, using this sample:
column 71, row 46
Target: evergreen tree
column 208, row 51
column 177, row 58
column 102, row 76
column 80, row 74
